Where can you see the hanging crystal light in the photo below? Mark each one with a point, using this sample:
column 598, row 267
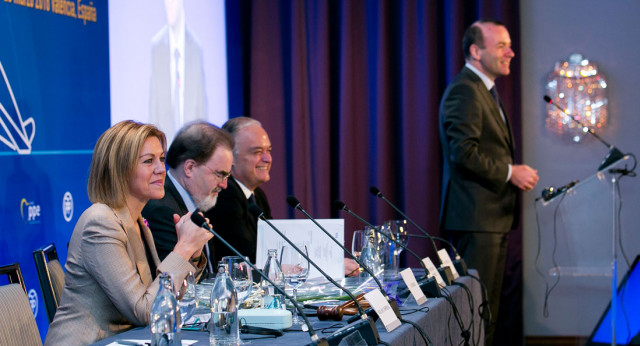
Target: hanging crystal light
column 580, row 89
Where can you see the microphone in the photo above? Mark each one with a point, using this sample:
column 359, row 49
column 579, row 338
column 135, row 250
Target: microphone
column 366, row 326
column 612, row 156
column 428, row 285
column 199, row 220
column 294, row 203
column 445, row 272
column 550, row 192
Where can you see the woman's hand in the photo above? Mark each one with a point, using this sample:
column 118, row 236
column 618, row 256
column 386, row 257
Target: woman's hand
column 191, row 237
column 351, row 267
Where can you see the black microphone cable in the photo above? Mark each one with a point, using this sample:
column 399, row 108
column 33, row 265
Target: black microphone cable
column 471, row 306
column 622, row 173
column 484, row 309
column 407, row 312
column 456, row 313
column 425, row 337
column 548, row 289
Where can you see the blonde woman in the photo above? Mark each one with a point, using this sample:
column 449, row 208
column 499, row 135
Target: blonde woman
column 112, row 264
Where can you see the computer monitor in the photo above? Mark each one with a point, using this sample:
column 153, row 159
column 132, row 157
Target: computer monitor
column 627, row 313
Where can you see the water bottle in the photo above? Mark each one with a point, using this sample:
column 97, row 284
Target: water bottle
column 272, row 298
column 223, row 325
column 165, row 315
column 370, row 255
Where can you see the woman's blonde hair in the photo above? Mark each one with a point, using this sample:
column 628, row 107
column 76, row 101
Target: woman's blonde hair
column 114, row 159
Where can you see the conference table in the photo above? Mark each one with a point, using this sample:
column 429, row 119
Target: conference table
column 439, row 318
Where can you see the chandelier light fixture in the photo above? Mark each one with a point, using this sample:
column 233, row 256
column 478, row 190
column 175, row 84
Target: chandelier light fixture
column 580, row 89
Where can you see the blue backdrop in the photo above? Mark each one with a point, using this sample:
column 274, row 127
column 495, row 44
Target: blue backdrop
column 54, row 97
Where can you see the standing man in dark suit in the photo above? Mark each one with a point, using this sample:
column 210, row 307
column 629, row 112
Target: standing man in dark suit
column 251, row 165
column 480, row 178
column 199, row 161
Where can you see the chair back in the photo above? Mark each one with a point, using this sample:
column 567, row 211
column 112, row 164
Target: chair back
column 17, row 325
column 13, row 273
column 51, row 277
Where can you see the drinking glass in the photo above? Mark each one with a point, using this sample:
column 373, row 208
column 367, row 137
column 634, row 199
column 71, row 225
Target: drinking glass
column 241, row 275
column 388, row 251
column 369, row 257
column 189, row 300
column 296, row 270
column 357, row 242
column 398, row 230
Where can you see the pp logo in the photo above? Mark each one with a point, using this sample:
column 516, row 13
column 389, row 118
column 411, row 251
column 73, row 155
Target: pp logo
column 33, row 301
column 29, row 211
column 67, row 206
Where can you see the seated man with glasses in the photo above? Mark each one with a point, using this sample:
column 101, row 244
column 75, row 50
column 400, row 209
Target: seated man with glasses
column 199, row 160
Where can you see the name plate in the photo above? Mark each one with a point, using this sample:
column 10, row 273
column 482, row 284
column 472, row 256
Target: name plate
column 446, row 262
column 383, row 309
column 414, row 288
column 433, row 272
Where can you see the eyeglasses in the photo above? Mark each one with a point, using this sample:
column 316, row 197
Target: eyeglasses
column 220, row 175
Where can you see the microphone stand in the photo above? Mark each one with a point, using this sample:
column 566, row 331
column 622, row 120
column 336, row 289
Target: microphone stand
column 445, row 272
column 428, row 285
column 612, row 156
column 294, row 203
column 199, row 220
column 366, row 326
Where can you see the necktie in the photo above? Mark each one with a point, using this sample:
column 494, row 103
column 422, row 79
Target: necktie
column 494, row 93
column 252, row 199
column 176, row 91
column 496, row 98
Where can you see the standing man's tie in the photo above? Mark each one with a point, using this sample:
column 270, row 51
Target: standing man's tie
column 494, row 93
column 496, row 98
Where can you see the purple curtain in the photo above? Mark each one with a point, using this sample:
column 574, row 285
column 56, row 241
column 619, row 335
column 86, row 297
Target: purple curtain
column 349, row 93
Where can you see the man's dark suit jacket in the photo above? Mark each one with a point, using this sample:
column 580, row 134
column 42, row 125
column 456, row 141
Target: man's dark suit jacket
column 159, row 215
column 478, row 146
column 231, row 219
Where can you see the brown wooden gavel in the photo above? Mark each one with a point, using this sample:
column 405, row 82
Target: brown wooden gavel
column 336, row 312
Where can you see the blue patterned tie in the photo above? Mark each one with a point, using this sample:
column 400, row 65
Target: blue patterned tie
column 494, row 93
